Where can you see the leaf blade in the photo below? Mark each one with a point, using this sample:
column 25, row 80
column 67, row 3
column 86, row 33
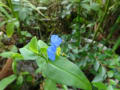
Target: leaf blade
column 50, row 85
column 10, row 29
column 33, row 46
column 65, row 72
column 5, row 82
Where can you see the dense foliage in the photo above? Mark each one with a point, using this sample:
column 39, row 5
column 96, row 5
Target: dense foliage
column 60, row 44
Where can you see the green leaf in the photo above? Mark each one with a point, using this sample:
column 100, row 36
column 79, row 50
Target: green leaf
column 86, row 6
column 10, row 29
column 110, row 87
column 65, row 87
column 6, row 54
column 110, row 74
column 72, row 56
column 26, row 34
column 50, row 85
column 2, row 23
column 14, row 66
column 23, row 13
column 3, row 5
column 25, row 73
column 33, row 46
column 112, row 82
column 17, row 56
column 27, row 54
column 114, row 28
column 13, row 55
column 41, row 62
column 14, row 49
column 43, row 51
column 96, row 66
column 29, row 78
column 95, row 6
column 65, row 72
column 11, row 24
column 42, row 44
column 117, row 44
column 42, row 47
column 75, row 50
column 19, row 80
column 5, row 12
column 100, row 76
column 100, row 85
column 5, row 82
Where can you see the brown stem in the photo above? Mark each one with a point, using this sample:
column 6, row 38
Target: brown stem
column 7, row 69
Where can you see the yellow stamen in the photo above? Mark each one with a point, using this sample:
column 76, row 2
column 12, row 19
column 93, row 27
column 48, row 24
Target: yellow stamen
column 58, row 52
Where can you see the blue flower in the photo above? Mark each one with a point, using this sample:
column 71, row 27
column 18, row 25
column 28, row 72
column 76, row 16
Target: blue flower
column 55, row 40
column 55, row 43
column 51, row 52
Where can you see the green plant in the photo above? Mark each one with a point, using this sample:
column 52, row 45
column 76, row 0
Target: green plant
column 90, row 38
column 59, row 71
column 37, row 50
column 10, row 19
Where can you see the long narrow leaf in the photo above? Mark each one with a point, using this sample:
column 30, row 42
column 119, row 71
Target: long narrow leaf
column 65, row 72
column 5, row 82
column 117, row 44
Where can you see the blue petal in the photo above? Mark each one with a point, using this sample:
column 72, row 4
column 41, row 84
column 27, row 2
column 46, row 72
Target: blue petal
column 53, row 48
column 55, row 40
column 51, row 52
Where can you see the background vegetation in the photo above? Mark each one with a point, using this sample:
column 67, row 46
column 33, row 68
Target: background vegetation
column 90, row 32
